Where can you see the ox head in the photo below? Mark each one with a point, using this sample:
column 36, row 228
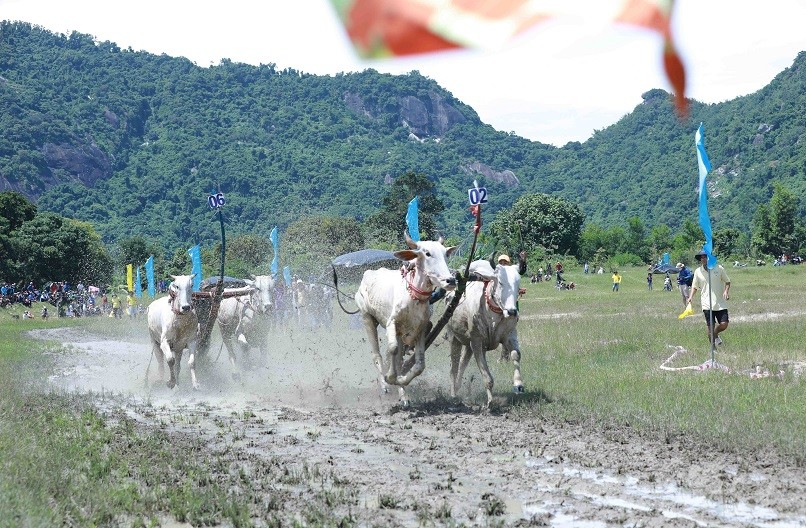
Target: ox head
column 431, row 259
column 263, row 288
column 506, row 283
column 181, row 290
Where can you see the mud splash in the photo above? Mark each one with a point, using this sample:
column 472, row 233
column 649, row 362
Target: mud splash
column 318, row 404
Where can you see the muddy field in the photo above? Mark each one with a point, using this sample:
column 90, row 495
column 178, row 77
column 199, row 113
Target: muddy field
column 318, row 408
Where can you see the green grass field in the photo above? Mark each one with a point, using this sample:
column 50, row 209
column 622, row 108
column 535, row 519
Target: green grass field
column 597, row 353
column 589, row 355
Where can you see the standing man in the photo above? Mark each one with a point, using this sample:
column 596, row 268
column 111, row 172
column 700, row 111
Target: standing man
column 714, row 306
column 684, row 278
column 616, row 281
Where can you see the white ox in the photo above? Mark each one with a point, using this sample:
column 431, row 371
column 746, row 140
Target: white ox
column 487, row 316
column 398, row 301
column 173, row 327
column 247, row 317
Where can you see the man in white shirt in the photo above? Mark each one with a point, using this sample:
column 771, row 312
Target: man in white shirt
column 714, row 306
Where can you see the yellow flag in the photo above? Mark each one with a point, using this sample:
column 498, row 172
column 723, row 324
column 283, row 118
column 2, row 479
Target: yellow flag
column 687, row 312
column 129, row 278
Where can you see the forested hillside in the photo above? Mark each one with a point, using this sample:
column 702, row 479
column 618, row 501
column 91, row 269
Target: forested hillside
column 133, row 142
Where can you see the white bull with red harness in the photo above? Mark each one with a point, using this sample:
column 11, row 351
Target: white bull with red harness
column 487, row 316
column 173, row 327
column 398, row 301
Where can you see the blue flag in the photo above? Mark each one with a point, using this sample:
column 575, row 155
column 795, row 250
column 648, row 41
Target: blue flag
column 287, row 275
column 666, row 258
column 138, row 290
column 704, row 166
column 413, row 221
column 150, row 276
column 195, row 260
column 275, row 244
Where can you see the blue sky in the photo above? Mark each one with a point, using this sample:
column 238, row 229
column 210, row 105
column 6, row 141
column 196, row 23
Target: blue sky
column 559, row 83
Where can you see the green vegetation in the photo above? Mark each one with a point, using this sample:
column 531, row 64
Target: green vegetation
column 132, row 143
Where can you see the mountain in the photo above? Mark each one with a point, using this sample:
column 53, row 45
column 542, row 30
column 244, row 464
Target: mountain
column 134, row 142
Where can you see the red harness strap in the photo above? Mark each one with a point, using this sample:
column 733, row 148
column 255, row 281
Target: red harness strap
column 174, row 309
column 492, row 305
column 416, row 293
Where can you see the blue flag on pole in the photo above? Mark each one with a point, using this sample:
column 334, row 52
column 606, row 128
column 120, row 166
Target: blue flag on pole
column 413, row 221
column 704, row 166
column 196, row 268
column 275, row 244
column 150, row 276
column 287, row 275
column 138, row 290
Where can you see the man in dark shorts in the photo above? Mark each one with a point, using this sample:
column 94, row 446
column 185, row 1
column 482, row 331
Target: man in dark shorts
column 714, row 305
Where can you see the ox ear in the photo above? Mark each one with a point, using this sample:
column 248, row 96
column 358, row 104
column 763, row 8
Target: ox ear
column 192, row 276
column 173, row 277
column 252, row 277
column 406, row 254
column 449, row 251
column 249, row 282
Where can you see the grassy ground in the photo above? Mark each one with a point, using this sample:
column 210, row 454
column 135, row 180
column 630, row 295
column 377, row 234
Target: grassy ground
column 598, row 353
column 588, row 355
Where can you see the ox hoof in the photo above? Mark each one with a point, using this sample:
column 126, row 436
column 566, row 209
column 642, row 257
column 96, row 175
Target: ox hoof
column 518, row 389
column 171, row 384
column 404, row 404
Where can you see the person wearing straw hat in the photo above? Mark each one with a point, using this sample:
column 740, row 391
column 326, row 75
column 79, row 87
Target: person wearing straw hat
column 714, row 307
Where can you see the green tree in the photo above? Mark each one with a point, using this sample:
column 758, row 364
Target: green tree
column 636, row 239
column 729, row 241
column 312, row 242
column 16, row 209
column 248, row 254
column 539, row 220
column 58, row 248
column 387, row 225
column 775, row 224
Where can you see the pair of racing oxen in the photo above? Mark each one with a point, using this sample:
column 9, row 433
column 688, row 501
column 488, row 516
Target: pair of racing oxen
column 397, row 300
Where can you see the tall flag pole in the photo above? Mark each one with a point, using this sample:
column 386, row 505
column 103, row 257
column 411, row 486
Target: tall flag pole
column 150, row 276
column 412, row 220
column 275, row 244
column 704, row 166
column 196, row 267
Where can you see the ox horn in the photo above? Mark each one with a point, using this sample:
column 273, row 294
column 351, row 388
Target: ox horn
column 411, row 243
column 441, row 239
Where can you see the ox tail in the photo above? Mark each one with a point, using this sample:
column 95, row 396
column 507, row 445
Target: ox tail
column 339, row 293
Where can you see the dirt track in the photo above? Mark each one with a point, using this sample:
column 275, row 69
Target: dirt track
column 320, row 410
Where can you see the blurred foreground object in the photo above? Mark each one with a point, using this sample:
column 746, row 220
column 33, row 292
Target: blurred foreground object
column 384, row 28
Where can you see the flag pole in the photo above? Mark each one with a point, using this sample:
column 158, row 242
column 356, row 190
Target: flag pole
column 711, row 317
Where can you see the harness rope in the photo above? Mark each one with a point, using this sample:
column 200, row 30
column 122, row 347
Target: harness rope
column 414, row 292
column 489, row 298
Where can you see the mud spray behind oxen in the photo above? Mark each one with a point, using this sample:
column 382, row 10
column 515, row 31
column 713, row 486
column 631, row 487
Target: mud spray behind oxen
column 322, row 366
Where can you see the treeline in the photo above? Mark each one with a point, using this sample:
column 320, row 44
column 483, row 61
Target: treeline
column 43, row 246
column 132, row 142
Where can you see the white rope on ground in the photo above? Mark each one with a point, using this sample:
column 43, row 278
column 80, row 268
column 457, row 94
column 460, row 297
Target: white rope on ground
column 679, row 351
